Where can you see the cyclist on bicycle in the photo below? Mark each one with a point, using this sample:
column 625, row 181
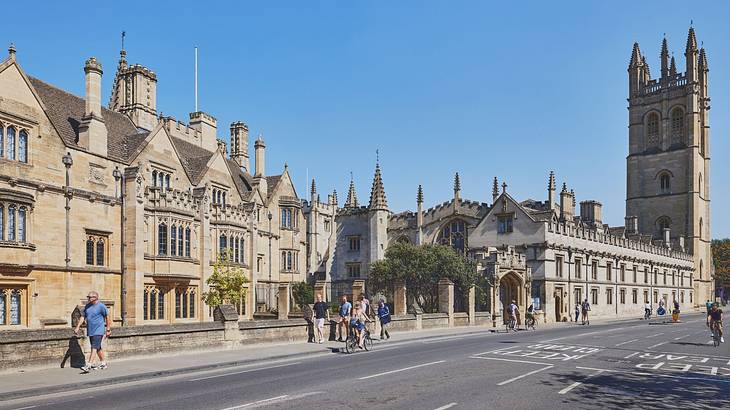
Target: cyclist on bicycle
column 647, row 310
column 357, row 324
column 714, row 318
column 512, row 309
column 529, row 314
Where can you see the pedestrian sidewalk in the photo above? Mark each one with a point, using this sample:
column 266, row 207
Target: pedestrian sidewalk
column 31, row 382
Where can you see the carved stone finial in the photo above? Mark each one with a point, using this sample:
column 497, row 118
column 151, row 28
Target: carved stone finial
column 11, row 51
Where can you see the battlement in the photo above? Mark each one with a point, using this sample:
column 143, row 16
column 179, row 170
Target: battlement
column 138, row 69
column 180, row 130
column 657, row 85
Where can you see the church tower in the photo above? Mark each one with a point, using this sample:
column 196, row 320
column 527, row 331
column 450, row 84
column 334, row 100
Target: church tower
column 668, row 164
column 378, row 217
column 134, row 93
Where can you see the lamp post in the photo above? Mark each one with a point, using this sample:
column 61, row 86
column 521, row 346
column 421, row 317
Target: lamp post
column 67, row 162
column 270, row 234
column 119, row 178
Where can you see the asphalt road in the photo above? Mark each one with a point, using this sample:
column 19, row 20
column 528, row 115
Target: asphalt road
column 620, row 365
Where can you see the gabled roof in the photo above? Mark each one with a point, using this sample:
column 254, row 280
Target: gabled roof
column 243, row 180
column 271, row 182
column 193, row 158
column 65, row 111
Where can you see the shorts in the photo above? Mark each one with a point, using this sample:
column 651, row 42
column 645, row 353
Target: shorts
column 319, row 322
column 96, row 341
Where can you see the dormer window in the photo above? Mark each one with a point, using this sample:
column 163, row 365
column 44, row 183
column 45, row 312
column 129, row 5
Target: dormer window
column 161, row 179
column 218, row 197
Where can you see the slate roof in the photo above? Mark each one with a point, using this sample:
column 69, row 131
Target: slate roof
column 271, row 184
column 243, row 180
column 65, row 111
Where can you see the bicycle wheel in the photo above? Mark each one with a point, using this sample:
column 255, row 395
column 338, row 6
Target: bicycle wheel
column 350, row 345
column 368, row 342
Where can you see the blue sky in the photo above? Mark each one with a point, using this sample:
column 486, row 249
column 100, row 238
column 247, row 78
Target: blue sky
column 503, row 89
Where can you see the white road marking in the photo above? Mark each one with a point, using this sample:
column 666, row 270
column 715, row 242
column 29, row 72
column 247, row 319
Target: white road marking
column 680, row 337
column 509, row 360
column 658, row 344
column 590, row 333
column 626, row 342
column 632, row 355
column 272, row 400
column 32, row 407
column 714, row 379
column 654, row 335
column 447, row 406
column 243, row 371
column 524, row 375
column 569, row 388
column 401, row 370
column 576, row 384
column 442, row 339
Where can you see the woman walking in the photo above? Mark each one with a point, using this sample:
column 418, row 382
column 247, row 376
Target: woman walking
column 384, row 315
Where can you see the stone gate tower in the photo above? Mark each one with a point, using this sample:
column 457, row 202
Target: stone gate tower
column 668, row 166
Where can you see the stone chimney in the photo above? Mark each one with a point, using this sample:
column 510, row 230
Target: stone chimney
column 239, row 145
column 567, row 207
column 92, row 130
column 207, row 125
column 632, row 224
column 259, row 177
column 590, row 212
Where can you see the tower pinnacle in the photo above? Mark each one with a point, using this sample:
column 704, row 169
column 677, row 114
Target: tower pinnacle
column 665, row 58
column 377, row 193
column 351, row 201
column 457, row 187
column 419, row 195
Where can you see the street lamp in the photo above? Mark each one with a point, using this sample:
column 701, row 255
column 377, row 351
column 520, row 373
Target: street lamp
column 270, row 233
column 67, row 162
column 119, row 179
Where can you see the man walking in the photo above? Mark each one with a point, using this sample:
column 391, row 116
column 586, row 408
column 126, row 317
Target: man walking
column 345, row 310
column 584, row 309
column 384, row 315
column 98, row 325
column 321, row 312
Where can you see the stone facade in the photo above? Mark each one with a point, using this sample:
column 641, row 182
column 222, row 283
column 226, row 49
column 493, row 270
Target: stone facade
column 132, row 204
column 553, row 254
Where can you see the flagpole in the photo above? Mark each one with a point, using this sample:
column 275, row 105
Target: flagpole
column 196, row 79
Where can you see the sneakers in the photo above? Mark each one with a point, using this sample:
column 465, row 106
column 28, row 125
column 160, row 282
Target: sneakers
column 321, row 341
column 86, row 368
column 722, row 340
column 102, row 366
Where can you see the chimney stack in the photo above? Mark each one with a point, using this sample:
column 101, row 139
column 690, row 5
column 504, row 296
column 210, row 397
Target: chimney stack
column 590, row 212
column 92, row 131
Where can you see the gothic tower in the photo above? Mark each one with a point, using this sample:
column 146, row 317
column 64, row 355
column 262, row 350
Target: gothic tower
column 668, row 164
column 378, row 214
column 134, row 93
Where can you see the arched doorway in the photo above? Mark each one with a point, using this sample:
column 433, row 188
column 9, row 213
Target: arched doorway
column 511, row 288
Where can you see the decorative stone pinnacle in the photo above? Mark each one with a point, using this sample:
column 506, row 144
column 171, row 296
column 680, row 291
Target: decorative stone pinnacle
column 419, row 196
column 314, row 187
column 11, row 51
column 495, row 187
column 551, row 181
column 457, row 183
column 504, row 187
column 92, row 65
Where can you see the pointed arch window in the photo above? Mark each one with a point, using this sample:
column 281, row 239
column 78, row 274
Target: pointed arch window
column 100, row 252
column 653, row 137
column 89, row 251
column 2, row 140
column 454, row 235
column 11, row 143
column 154, row 178
column 242, row 251
column 173, row 240
column 162, row 239
column 22, row 213
column 222, row 245
column 665, row 184
column 23, row 146
column 167, row 181
column 678, row 126
column 11, row 222
column 180, row 242
column 187, row 242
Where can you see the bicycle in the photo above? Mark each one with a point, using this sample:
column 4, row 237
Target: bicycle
column 647, row 314
column 511, row 324
column 715, row 334
column 531, row 322
column 352, row 342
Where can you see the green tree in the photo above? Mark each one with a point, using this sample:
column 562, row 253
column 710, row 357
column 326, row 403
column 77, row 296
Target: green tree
column 721, row 258
column 227, row 283
column 421, row 268
column 303, row 294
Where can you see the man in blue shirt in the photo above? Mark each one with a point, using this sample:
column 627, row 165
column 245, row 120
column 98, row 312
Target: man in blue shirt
column 98, row 324
column 345, row 310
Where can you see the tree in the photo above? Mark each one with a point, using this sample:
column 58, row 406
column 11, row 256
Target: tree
column 303, row 294
column 421, row 268
column 721, row 258
column 227, row 283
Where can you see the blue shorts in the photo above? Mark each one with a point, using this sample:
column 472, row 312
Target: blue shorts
column 96, row 341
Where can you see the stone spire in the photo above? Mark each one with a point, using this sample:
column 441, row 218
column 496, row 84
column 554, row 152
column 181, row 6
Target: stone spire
column 702, row 63
column 691, row 40
column 351, row 195
column 647, row 72
column 672, row 68
column 457, row 187
column 572, row 195
column 495, row 189
column 377, row 193
column 313, row 190
column 334, row 197
column 419, row 195
column 635, row 56
column 551, row 190
column 665, row 58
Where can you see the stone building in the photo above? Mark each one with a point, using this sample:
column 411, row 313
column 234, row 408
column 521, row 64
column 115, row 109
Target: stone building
column 553, row 255
column 132, row 204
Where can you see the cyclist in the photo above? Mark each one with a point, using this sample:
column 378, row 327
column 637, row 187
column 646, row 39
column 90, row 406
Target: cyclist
column 357, row 324
column 512, row 309
column 647, row 310
column 714, row 318
column 529, row 315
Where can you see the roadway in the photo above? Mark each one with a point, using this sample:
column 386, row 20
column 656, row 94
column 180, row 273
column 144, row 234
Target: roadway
column 629, row 364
